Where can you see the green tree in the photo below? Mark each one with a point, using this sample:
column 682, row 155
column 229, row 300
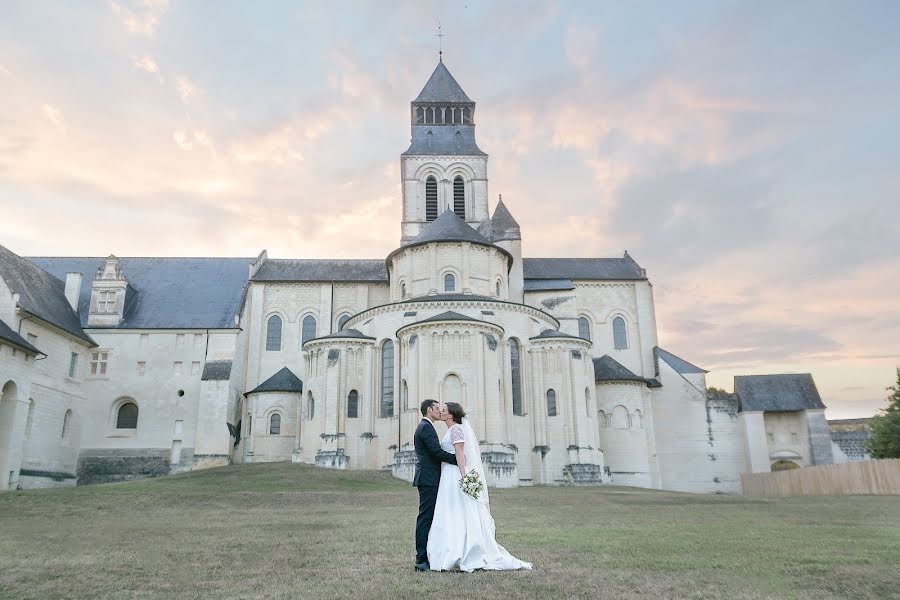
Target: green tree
column 885, row 440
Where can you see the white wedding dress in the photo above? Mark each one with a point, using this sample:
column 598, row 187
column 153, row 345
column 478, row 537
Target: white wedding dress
column 462, row 534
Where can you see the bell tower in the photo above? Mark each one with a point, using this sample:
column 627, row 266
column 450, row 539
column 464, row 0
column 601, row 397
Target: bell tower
column 443, row 168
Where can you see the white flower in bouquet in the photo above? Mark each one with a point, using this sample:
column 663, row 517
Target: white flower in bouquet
column 471, row 484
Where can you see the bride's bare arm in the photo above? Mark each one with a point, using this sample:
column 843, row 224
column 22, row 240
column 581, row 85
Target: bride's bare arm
column 459, row 447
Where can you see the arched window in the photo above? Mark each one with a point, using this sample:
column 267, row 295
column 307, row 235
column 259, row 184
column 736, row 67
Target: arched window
column 429, row 116
column 309, row 329
column 551, row 403
column 67, row 425
column 454, row 114
column 431, row 203
column 403, row 291
column 127, row 416
column 343, row 321
column 620, row 334
column 515, row 368
column 467, row 116
column 584, row 328
column 311, row 405
column 353, row 404
column 459, row 197
column 404, row 395
column 637, row 420
column 29, row 420
column 387, row 379
column 275, row 424
column 273, row 333
column 587, row 402
column 620, row 417
column 449, row 283
column 601, row 420
column 498, row 288
column 420, row 116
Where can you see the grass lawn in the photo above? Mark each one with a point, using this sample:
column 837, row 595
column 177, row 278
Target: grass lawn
column 289, row 531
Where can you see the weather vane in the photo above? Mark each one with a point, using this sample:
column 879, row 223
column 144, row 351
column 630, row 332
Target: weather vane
column 439, row 36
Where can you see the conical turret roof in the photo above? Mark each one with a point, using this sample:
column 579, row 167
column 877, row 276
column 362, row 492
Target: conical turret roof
column 442, row 87
column 449, row 228
column 503, row 225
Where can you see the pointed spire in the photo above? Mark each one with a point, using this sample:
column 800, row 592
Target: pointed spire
column 442, row 87
column 503, row 225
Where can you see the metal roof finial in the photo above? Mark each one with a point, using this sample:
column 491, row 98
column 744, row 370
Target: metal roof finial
column 439, row 36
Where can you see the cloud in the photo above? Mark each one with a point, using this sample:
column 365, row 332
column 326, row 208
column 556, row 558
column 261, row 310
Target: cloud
column 148, row 65
column 55, row 116
column 187, row 89
column 140, row 17
column 582, row 43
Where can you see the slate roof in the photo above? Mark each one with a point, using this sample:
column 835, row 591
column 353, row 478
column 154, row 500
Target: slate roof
column 503, row 225
column 540, row 285
column 444, row 140
column 282, row 381
column 343, row 334
column 449, row 228
column 777, row 393
column 606, row 368
column 448, row 316
column 216, row 370
column 172, row 293
column 41, row 293
column 624, row 268
column 8, row 335
column 314, row 269
column 450, row 297
column 679, row 364
column 442, row 87
column 852, row 443
column 553, row 333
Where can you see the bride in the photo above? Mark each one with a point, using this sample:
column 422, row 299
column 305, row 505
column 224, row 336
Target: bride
column 462, row 534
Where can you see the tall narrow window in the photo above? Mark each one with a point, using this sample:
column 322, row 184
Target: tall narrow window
column 387, row 379
column 459, row 197
column 551, row 403
column 275, row 424
column 498, row 288
column 449, row 283
column 431, row 200
column 404, row 395
column 73, row 364
column 309, row 328
column 343, row 321
column 127, row 417
column 515, row 368
column 273, row 334
column 29, row 421
column 587, row 402
column 353, row 404
column 467, row 116
column 311, row 405
column 429, row 116
column 584, row 328
column 67, row 425
column 620, row 334
column 403, row 291
column 420, row 116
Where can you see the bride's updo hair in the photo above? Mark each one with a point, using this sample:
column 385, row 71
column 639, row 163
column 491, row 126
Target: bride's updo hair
column 456, row 411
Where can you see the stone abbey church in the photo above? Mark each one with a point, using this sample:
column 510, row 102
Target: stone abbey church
column 118, row 368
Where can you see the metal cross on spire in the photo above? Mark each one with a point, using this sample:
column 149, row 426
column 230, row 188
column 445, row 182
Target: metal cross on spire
column 440, row 36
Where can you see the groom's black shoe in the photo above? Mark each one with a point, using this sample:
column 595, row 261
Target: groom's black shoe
column 424, row 566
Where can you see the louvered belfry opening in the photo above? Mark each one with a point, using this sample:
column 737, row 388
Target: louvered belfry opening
column 431, row 199
column 459, row 198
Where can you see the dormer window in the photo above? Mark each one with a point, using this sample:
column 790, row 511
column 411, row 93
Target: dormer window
column 106, row 302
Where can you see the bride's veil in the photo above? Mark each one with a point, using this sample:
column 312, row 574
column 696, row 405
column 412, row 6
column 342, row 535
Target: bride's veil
column 473, row 457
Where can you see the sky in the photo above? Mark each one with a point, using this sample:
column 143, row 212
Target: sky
column 744, row 153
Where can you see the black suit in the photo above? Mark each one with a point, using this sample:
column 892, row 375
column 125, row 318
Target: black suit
column 429, row 455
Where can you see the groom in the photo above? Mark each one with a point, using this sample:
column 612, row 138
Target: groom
column 429, row 457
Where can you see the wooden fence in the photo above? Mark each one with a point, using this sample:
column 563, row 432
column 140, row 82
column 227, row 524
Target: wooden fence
column 880, row 477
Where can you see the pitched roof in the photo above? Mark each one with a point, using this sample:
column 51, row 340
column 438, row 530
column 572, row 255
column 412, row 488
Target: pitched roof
column 679, row 364
column 582, row 268
column 449, row 228
column 503, row 225
column 448, row 316
column 176, row 293
column 539, row 285
column 216, row 370
column 553, row 333
column 282, row 381
column 606, row 368
column 343, row 334
column 777, row 393
column 315, row 269
column 8, row 335
column 442, row 87
column 443, row 140
column 41, row 293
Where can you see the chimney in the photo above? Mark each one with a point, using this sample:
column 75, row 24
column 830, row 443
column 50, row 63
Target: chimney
column 73, row 289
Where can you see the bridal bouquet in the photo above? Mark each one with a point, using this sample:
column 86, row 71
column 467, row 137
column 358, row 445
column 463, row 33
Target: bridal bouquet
column 471, row 484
